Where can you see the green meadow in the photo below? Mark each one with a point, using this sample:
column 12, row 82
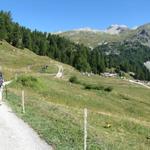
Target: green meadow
column 118, row 119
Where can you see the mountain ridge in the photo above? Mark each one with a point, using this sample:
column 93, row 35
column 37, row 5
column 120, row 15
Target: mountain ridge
column 106, row 30
column 114, row 33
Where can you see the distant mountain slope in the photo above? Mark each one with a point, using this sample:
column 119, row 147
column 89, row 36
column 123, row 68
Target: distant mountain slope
column 127, row 56
column 111, row 34
column 89, row 38
column 142, row 34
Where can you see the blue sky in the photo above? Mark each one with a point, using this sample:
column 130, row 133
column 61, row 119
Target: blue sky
column 55, row 15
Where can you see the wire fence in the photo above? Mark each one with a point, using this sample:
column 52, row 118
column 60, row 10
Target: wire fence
column 73, row 122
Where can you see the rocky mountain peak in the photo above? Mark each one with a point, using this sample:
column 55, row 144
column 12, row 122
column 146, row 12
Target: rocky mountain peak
column 116, row 29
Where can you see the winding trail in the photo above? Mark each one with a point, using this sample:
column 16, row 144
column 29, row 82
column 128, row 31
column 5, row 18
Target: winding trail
column 15, row 134
column 139, row 83
column 60, row 72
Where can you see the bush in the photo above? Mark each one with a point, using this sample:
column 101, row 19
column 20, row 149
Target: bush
column 94, row 87
column 97, row 87
column 27, row 81
column 88, row 86
column 108, row 89
column 73, row 79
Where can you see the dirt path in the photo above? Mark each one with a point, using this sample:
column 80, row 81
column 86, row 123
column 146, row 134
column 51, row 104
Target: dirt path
column 60, row 72
column 139, row 83
column 16, row 134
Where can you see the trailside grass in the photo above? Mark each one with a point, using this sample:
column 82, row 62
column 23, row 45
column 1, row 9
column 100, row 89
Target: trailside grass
column 55, row 111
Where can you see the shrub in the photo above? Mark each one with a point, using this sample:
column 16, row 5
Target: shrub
column 97, row 87
column 73, row 79
column 27, row 81
column 94, row 87
column 88, row 86
column 108, row 89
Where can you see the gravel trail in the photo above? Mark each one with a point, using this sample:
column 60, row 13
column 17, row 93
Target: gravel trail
column 15, row 134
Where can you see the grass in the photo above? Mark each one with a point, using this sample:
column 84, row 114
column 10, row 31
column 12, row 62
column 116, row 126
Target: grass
column 94, row 39
column 54, row 107
column 63, row 132
column 75, row 80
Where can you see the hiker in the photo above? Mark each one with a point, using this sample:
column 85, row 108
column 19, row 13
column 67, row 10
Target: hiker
column 1, row 80
column 1, row 87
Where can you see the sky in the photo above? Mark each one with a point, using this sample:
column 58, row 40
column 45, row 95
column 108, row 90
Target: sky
column 62, row 15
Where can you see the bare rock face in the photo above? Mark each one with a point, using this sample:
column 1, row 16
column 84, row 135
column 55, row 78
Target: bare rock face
column 116, row 29
column 143, row 34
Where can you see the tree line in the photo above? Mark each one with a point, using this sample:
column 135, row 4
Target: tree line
column 127, row 56
column 79, row 56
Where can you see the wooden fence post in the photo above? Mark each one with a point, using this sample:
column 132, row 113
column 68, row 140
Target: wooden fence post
column 85, row 129
column 23, row 106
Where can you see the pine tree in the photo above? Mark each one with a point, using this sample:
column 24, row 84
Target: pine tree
column 16, row 38
column 26, row 38
column 3, row 32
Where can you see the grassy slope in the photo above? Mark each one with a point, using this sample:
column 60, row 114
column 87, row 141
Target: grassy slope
column 93, row 39
column 54, row 107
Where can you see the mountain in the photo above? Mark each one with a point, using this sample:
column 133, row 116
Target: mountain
column 117, row 47
column 114, row 33
column 88, row 37
column 116, row 29
column 127, row 56
column 142, row 34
